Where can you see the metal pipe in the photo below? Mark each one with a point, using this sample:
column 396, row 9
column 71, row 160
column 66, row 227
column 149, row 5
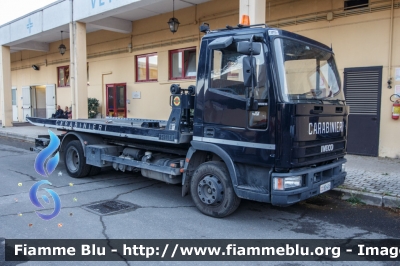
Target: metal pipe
column 390, row 43
column 72, row 67
column 103, row 92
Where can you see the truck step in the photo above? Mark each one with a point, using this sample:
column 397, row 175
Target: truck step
column 256, row 189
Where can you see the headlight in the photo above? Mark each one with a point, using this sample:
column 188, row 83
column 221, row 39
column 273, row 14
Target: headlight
column 282, row 183
column 343, row 167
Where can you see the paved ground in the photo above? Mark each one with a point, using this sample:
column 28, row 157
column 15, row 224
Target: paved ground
column 376, row 175
column 27, row 133
column 374, row 181
column 162, row 213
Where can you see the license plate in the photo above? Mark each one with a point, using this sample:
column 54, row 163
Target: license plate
column 325, row 187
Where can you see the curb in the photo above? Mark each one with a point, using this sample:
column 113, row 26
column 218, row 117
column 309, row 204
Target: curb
column 367, row 198
column 12, row 135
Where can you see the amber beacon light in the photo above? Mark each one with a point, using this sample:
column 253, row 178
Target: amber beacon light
column 245, row 20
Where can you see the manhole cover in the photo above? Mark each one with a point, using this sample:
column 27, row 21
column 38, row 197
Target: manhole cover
column 110, row 207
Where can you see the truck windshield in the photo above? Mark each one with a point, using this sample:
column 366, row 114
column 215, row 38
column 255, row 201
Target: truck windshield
column 306, row 72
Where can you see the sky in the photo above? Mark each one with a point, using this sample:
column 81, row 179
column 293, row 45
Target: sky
column 12, row 9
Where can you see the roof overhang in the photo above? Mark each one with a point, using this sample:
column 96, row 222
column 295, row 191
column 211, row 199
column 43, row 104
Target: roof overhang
column 37, row 29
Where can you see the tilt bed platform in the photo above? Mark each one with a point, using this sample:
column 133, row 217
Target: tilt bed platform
column 177, row 130
column 140, row 129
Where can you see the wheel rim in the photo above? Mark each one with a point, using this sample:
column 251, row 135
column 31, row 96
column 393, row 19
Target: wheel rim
column 210, row 190
column 72, row 157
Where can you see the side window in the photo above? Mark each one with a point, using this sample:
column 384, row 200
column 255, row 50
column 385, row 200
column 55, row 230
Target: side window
column 63, row 76
column 354, row 4
column 227, row 73
column 183, row 63
column 146, row 67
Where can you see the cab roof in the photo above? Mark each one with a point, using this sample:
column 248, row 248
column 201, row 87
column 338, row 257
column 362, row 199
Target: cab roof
column 261, row 29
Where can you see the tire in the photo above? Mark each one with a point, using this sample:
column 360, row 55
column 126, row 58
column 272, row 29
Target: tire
column 94, row 170
column 212, row 190
column 75, row 161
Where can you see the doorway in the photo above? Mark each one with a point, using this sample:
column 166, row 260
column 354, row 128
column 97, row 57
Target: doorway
column 362, row 87
column 38, row 96
column 38, row 101
column 116, row 100
column 14, row 104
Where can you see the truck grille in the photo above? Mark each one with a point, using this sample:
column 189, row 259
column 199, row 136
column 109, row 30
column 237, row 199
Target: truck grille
column 316, row 151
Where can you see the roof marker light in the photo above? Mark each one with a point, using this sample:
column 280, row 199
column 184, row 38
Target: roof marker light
column 245, row 20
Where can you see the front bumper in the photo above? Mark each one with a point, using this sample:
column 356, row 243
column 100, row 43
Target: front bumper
column 313, row 178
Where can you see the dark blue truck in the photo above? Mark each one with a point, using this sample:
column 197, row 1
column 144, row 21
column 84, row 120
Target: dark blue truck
column 266, row 121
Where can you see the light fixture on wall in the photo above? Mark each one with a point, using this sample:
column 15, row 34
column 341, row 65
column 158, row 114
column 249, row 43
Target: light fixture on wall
column 62, row 47
column 35, row 67
column 173, row 22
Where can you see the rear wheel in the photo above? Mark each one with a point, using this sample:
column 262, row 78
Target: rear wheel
column 75, row 161
column 212, row 190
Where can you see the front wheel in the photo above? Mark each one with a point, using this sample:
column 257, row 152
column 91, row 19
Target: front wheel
column 212, row 190
column 75, row 161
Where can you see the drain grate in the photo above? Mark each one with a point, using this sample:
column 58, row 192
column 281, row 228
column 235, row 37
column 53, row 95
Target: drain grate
column 110, row 207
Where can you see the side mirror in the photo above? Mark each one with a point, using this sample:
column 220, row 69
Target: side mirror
column 248, row 47
column 249, row 75
column 251, row 104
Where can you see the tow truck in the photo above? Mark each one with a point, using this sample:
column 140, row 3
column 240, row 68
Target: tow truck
column 266, row 121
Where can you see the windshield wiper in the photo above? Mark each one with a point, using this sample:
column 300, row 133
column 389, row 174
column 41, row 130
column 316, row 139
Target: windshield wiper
column 317, row 99
column 306, row 99
column 331, row 100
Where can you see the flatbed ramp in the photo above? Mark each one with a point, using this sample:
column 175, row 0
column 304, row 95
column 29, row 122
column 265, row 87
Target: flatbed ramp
column 139, row 129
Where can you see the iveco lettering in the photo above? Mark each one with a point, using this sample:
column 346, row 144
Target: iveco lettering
column 267, row 121
column 327, row 148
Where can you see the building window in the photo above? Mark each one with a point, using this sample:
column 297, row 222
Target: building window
column 147, row 67
column 353, row 4
column 182, row 63
column 63, row 76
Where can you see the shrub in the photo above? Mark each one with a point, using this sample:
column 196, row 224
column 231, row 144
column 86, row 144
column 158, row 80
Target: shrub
column 93, row 104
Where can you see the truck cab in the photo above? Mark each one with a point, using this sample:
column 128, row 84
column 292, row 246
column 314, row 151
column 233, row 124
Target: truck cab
column 290, row 144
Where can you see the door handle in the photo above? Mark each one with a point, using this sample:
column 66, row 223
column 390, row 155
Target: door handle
column 374, row 118
column 209, row 132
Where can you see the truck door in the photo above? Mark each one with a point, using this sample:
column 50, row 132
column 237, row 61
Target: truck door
column 245, row 135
